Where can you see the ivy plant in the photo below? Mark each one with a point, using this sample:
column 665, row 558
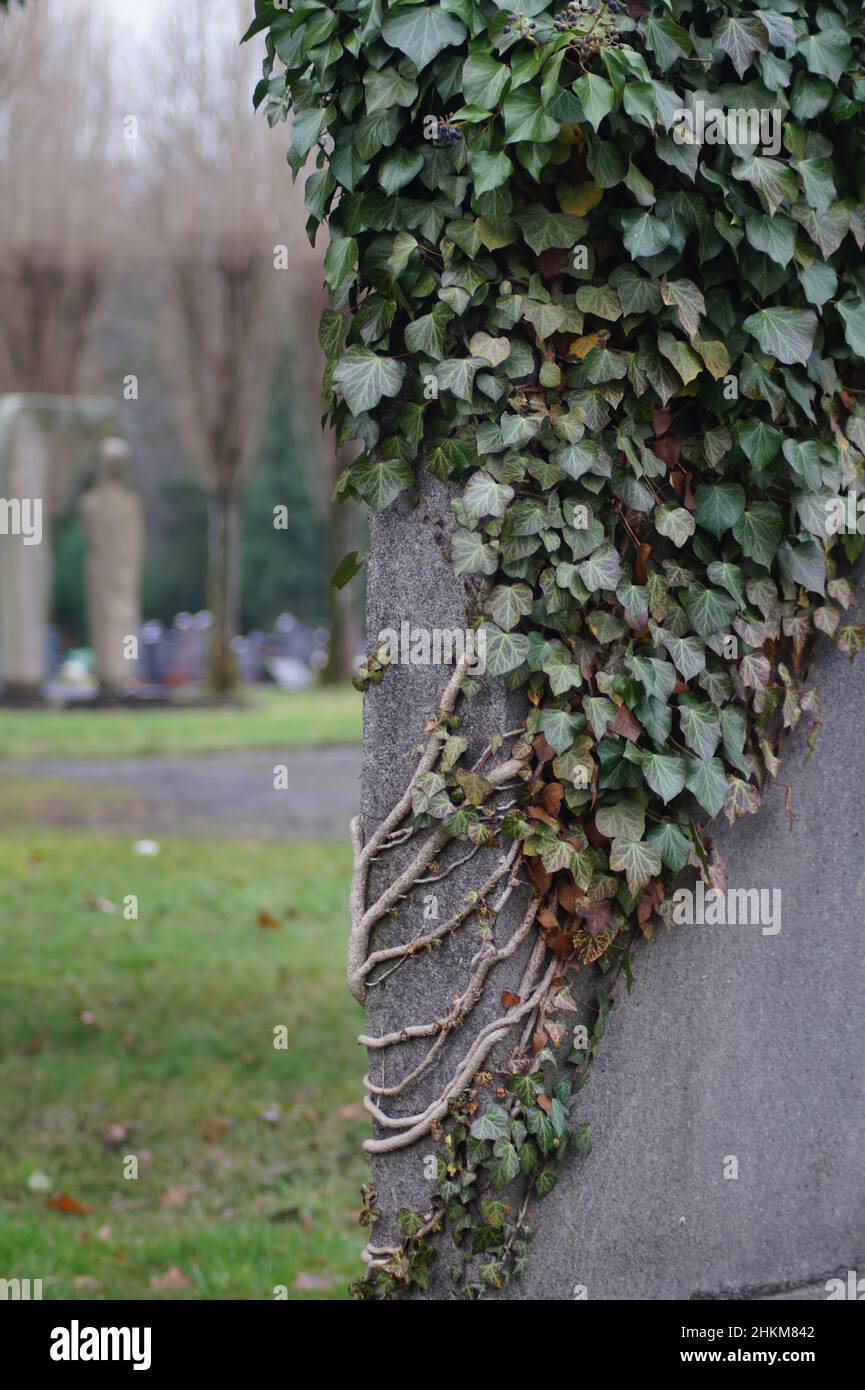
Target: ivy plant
column 635, row 351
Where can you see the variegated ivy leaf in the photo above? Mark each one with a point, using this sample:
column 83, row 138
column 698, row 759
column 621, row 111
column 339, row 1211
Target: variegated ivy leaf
column 544, row 230
column 457, row 375
column 657, row 677
column 674, row 522
column 742, row 800
column 687, row 654
column 706, row 779
column 508, row 603
column 429, row 796
column 664, row 774
column 645, row 234
column 380, row 480
column 672, row 844
column 709, row 610
column 719, row 506
column 639, row 861
column 563, row 673
column 759, row 531
column 741, row 38
column 494, row 350
column 602, row 569
column 599, row 711
column 427, row 333
column 505, row 650
column 364, row 378
column 485, row 497
column 688, row 301
column 786, row 334
column 471, row 554
column 559, row 727
column 700, row 724
column 625, row 819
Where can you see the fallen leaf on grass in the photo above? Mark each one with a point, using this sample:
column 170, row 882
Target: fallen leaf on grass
column 115, row 1135
column 267, row 921
column 309, row 1283
column 174, row 1196
column 171, row 1280
column 85, row 1283
column 63, row 1202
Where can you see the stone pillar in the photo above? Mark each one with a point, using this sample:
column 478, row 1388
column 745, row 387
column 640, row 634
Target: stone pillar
column 113, row 519
column 25, row 559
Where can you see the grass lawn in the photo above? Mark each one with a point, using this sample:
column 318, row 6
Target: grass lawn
column 155, row 1038
column 273, row 719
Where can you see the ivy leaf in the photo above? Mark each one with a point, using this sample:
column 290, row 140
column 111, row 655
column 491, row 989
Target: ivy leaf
column 599, row 711
column 672, row 844
column 639, row 861
column 852, row 311
column 380, row 480
column 398, row 169
column 422, row 32
column 427, row 334
column 505, row 1165
column 625, row 820
column 559, row 727
column 687, row 300
column 709, row 610
column 687, row 654
column 470, row 554
column 758, row 441
column 526, row 118
column 489, row 171
column 719, row 506
column 644, row 234
column 602, row 569
column 707, row 781
column 774, row 236
column 674, row 522
column 363, row 378
column 701, row 725
column 664, row 773
column 827, row 53
column 666, row 39
column 484, row 80
column 505, row 650
column 786, row 334
column 741, row 39
column 596, row 97
column 508, row 603
column 759, row 531
column 493, row 1123
column 485, row 497
column 546, row 231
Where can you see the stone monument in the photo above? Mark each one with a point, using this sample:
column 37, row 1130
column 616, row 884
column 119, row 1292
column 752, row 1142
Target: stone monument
column 112, row 516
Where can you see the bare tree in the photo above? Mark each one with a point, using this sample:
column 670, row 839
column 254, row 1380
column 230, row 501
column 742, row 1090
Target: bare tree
column 61, row 172
column 216, row 195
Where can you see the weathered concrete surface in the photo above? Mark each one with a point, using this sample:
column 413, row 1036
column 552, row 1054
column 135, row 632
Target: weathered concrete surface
column 736, row 1043
column 410, row 579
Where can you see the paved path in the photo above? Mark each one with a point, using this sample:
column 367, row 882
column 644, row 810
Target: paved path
column 735, row 1044
column 229, row 794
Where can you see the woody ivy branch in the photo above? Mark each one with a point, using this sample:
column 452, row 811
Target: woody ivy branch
column 638, row 357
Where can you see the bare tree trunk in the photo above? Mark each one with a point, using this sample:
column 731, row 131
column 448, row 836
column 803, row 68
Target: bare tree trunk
column 223, row 588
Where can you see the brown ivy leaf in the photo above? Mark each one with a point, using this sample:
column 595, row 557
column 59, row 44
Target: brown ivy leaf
column 539, row 1041
column 544, row 1103
column 510, row 1000
column 625, row 724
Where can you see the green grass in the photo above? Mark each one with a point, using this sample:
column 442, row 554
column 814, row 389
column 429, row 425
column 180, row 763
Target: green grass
column 167, row 1024
column 272, row 719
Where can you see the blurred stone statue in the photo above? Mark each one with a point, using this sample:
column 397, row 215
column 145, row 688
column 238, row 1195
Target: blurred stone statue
column 112, row 516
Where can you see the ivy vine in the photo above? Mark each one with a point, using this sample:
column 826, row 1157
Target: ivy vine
column 635, row 351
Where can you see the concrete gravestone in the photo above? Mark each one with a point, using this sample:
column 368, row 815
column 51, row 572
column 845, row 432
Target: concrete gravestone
column 113, row 519
column 725, row 1103
column 41, row 458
